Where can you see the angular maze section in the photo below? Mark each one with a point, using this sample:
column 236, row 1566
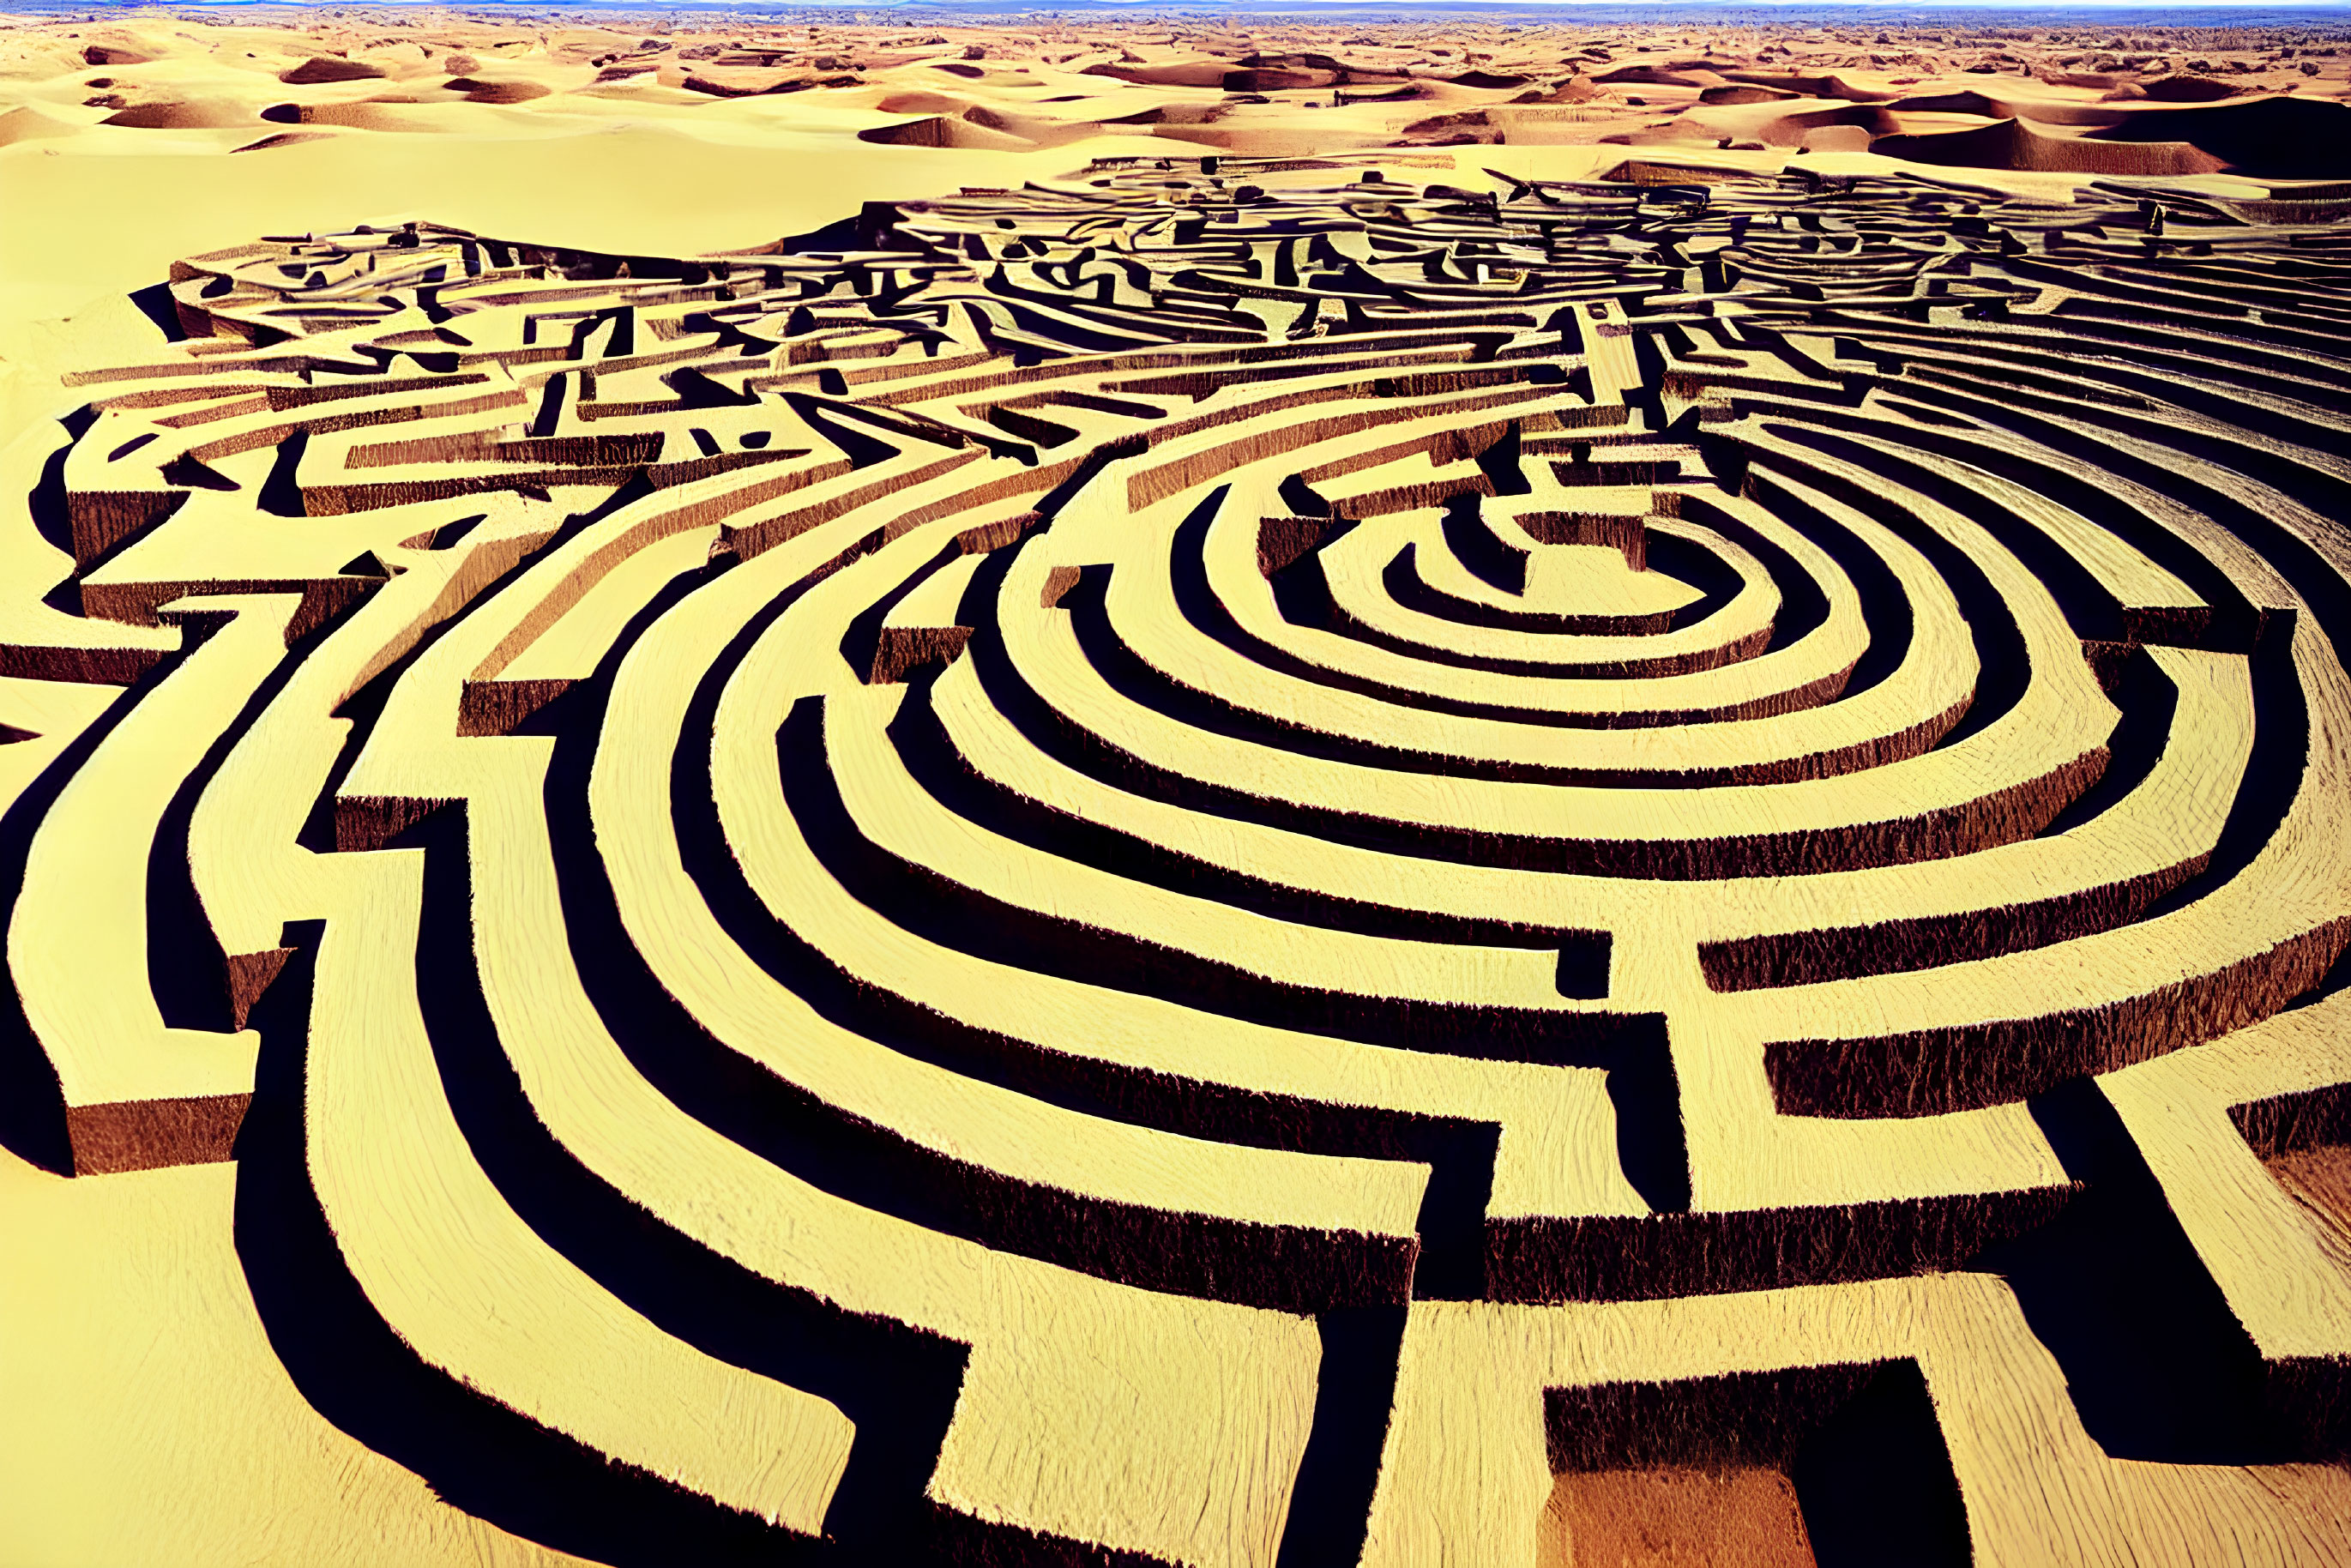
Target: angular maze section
column 1241, row 863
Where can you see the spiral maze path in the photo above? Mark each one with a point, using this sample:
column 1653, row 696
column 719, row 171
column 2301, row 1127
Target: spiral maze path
column 1243, row 864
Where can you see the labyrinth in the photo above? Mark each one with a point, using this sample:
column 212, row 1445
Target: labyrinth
column 1242, row 863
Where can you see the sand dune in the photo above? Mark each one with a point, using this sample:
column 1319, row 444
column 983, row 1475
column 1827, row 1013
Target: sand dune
column 1267, row 89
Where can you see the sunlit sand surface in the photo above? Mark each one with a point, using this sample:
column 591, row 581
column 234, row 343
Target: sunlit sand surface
column 1139, row 792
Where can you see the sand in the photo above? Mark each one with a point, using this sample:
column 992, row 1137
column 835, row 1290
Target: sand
column 146, row 1403
column 672, row 138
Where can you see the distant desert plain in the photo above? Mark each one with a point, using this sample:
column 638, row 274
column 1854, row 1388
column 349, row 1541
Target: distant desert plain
column 1119, row 787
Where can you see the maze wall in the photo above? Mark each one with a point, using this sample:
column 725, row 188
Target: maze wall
column 1242, row 865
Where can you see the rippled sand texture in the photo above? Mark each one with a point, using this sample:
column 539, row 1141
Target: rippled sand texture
column 2104, row 101
column 919, row 823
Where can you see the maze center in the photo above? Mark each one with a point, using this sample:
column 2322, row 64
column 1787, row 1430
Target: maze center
column 1242, row 863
